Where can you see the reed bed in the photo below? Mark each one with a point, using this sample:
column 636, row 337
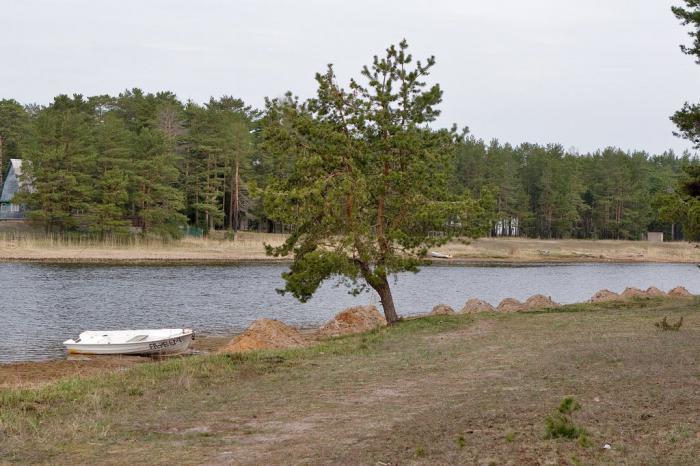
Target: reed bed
column 243, row 240
column 132, row 249
column 33, row 246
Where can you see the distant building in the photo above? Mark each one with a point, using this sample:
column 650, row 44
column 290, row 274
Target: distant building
column 655, row 236
column 506, row 227
column 11, row 186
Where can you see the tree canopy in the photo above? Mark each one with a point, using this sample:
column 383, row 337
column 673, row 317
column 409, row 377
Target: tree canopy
column 149, row 162
column 684, row 205
column 687, row 119
column 365, row 182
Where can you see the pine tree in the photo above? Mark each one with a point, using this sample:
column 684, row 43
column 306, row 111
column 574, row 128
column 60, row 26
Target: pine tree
column 159, row 202
column 367, row 179
column 219, row 147
column 61, row 166
column 687, row 119
column 114, row 144
column 14, row 127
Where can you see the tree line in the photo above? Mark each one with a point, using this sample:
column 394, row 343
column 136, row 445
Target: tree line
column 549, row 192
column 102, row 164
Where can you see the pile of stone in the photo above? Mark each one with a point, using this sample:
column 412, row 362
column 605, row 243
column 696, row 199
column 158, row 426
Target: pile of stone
column 266, row 334
column 539, row 301
column 511, row 305
column 679, row 292
column 604, row 295
column 353, row 320
column 476, row 305
column 442, row 310
column 273, row 334
column 631, row 293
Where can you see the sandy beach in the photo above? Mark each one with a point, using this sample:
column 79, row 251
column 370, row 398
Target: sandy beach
column 249, row 247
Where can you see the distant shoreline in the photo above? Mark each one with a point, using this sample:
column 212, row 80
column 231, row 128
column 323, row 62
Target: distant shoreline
column 248, row 248
column 212, row 262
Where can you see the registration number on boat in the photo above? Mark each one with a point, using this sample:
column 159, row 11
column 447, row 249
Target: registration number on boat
column 165, row 343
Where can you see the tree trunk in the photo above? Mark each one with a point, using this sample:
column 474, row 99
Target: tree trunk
column 387, row 301
column 232, row 188
column 2, row 172
column 235, row 189
column 196, row 201
column 380, row 284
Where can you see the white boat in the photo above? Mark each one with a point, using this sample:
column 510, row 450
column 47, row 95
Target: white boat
column 440, row 255
column 142, row 342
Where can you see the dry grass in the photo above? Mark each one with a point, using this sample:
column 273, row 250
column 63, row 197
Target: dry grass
column 249, row 246
column 437, row 390
column 533, row 250
column 57, row 248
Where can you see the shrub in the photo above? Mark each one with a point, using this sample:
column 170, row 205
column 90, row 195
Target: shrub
column 561, row 424
column 665, row 326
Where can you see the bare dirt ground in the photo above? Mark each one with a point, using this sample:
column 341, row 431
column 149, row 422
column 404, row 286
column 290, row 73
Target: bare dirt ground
column 439, row 390
column 249, row 247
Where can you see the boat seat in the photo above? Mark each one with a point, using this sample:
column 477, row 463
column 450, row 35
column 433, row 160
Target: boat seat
column 137, row 338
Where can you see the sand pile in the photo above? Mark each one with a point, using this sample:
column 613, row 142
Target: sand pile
column 539, row 301
column 353, row 320
column 632, row 292
column 442, row 310
column 654, row 291
column 266, row 334
column 680, row 292
column 511, row 305
column 604, row 295
column 476, row 305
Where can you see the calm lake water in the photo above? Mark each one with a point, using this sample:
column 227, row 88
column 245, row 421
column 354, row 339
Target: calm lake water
column 42, row 305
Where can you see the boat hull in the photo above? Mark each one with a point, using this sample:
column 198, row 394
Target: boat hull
column 173, row 345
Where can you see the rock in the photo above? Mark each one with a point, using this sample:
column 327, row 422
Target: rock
column 632, row 292
column 654, row 291
column 353, row 320
column 442, row 310
column 680, row 292
column 266, row 334
column 539, row 301
column 476, row 305
column 605, row 295
column 511, row 305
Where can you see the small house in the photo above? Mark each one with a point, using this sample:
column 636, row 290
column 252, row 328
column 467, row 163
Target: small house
column 506, row 227
column 11, row 185
column 655, row 236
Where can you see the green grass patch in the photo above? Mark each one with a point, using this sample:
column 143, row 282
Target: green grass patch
column 173, row 407
column 561, row 423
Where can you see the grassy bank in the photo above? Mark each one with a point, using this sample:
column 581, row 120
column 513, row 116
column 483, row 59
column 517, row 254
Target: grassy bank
column 249, row 247
column 455, row 389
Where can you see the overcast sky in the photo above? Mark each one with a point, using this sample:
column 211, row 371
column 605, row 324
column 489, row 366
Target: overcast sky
column 586, row 74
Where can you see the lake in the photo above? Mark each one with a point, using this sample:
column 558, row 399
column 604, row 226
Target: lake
column 42, row 305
